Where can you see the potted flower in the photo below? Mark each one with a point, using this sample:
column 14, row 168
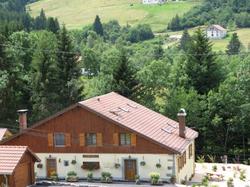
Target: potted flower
column 72, row 176
column 214, row 168
column 90, row 177
column 173, row 179
column 230, row 182
column 53, row 176
column 106, row 177
column 137, row 180
column 155, row 179
column 143, row 163
column 158, row 165
column 73, row 162
column 40, row 165
column 117, row 165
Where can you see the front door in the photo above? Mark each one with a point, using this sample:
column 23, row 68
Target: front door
column 51, row 166
column 130, row 169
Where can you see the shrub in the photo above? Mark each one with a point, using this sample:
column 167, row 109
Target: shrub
column 106, row 177
column 154, row 178
column 117, row 165
column 211, row 158
column 205, row 181
column 53, row 176
column 90, row 177
column 183, row 182
column 71, row 173
column 73, row 162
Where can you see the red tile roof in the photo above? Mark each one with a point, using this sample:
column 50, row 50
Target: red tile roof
column 140, row 119
column 2, row 133
column 10, row 156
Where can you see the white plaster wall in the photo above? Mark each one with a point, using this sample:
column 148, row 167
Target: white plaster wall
column 107, row 162
column 188, row 169
column 216, row 34
column 152, row 1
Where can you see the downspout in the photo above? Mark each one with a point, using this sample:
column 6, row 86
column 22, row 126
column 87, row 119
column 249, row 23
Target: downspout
column 173, row 170
column 6, row 181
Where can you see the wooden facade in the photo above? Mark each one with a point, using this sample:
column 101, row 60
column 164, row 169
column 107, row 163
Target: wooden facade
column 75, row 124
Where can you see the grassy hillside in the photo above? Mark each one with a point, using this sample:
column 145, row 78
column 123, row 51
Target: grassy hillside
column 77, row 13
column 221, row 45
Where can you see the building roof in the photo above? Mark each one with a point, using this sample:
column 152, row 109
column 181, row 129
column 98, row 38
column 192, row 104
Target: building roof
column 142, row 120
column 2, row 132
column 218, row 27
column 10, row 156
column 132, row 116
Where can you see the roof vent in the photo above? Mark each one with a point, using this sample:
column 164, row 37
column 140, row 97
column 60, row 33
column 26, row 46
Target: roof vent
column 168, row 129
column 115, row 112
column 124, row 109
column 172, row 125
column 132, row 106
column 98, row 99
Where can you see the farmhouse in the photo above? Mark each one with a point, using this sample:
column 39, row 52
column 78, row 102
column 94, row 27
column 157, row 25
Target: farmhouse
column 113, row 134
column 216, row 32
column 17, row 166
column 153, row 1
column 4, row 133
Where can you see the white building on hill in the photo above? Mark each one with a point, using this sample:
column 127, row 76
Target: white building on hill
column 216, row 32
column 153, row 1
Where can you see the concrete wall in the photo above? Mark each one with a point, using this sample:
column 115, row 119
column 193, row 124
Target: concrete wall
column 107, row 162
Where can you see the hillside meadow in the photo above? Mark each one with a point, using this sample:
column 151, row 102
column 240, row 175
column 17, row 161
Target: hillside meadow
column 78, row 13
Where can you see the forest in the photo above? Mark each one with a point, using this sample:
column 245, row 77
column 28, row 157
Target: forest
column 44, row 67
column 223, row 12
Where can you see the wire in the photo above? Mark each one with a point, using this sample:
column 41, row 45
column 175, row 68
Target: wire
column 77, row 53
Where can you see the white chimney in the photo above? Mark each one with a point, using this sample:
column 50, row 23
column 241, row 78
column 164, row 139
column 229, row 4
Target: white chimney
column 22, row 119
column 182, row 122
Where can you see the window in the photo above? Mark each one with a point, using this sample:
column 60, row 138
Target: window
column 91, row 139
column 59, row 139
column 125, row 139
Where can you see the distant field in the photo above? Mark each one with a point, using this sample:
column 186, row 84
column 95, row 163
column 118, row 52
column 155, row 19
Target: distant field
column 221, row 45
column 77, row 13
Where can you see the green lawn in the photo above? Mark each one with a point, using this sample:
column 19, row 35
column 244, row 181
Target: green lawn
column 77, row 13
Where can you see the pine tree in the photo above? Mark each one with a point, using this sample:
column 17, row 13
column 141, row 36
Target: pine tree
column 123, row 77
column 68, row 69
column 97, row 26
column 185, row 40
column 40, row 21
column 175, row 24
column 53, row 25
column 201, row 66
column 233, row 47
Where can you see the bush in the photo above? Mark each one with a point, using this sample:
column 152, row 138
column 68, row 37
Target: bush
column 90, row 177
column 53, row 176
column 72, row 176
column 205, row 181
column 158, row 165
column 200, row 159
column 142, row 163
column 137, row 179
column 71, row 173
column 154, row 178
column 106, row 177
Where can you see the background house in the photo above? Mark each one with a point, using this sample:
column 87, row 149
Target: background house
column 216, row 32
column 17, row 166
column 109, row 131
column 4, row 133
column 153, row 1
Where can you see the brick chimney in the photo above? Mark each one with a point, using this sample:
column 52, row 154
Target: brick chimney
column 182, row 122
column 22, row 119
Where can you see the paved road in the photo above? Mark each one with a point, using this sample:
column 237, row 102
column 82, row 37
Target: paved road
column 115, row 184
